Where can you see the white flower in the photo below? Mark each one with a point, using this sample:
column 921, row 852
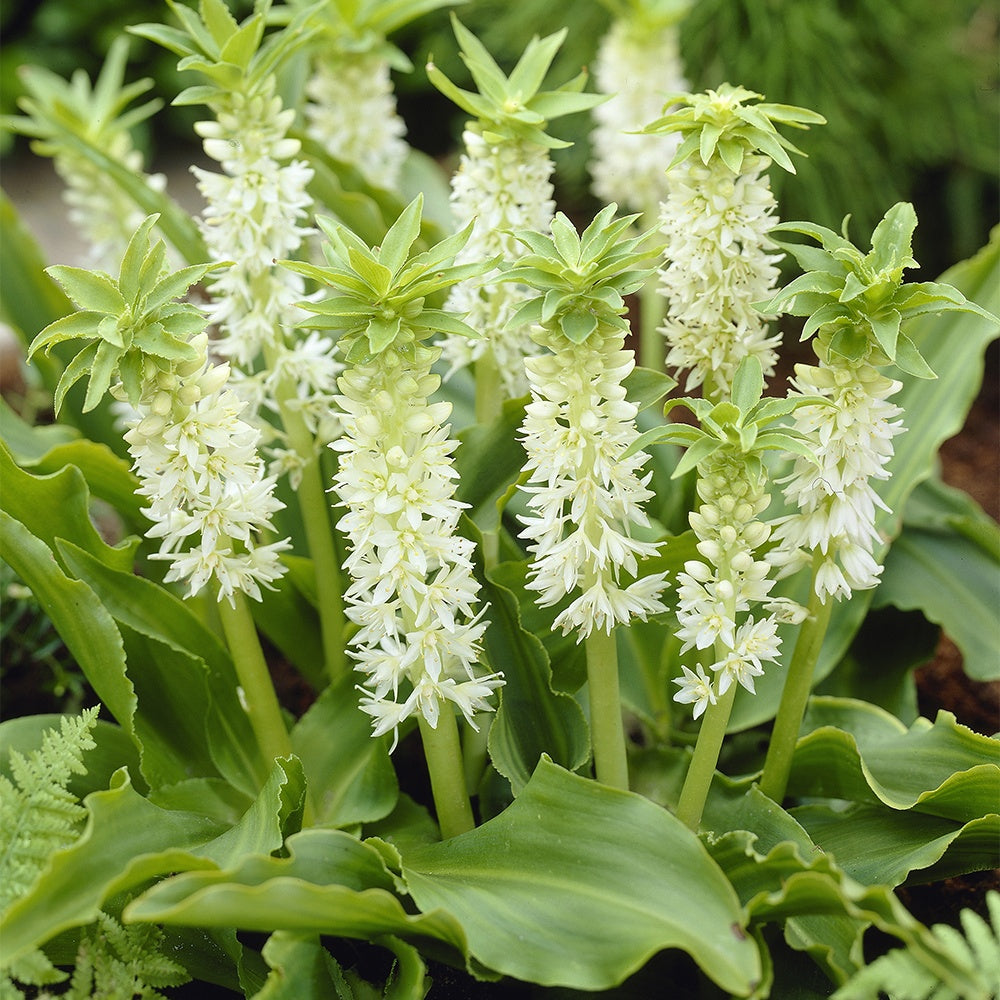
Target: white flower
column 351, row 112
column 834, row 499
column 695, row 689
column 585, row 498
column 413, row 594
column 715, row 227
column 638, row 67
column 209, row 501
column 253, row 215
column 503, row 188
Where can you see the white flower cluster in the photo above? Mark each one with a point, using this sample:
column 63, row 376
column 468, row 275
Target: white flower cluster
column 584, row 496
column 413, row 593
column 715, row 596
column 352, row 113
column 103, row 214
column 835, row 501
column 638, row 68
column 252, row 218
column 715, row 224
column 502, row 188
column 209, row 500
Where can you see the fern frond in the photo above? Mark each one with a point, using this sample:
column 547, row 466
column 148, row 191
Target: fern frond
column 38, row 814
column 972, row 972
column 123, row 963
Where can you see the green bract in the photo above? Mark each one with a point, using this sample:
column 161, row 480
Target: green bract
column 229, row 54
column 746, row 421
column 719, row 123
column 649, row 15
column 125, row 320
column 382, row 290
column 582, row 280
column 96, row 112
column 859, row 300
column 511, row 107
column 359, row 26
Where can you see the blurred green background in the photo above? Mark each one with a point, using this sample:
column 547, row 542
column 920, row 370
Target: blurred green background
column 909, row 89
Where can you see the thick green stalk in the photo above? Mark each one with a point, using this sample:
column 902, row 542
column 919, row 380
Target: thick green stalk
column 606, row 730
column 319, row 535
column 254, row 678
column 798, row 684
column 489, row 393
column 444, row 764
column 694, row 794
column 652, row 305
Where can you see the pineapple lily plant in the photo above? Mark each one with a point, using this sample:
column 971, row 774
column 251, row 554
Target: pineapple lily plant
column 589, row 703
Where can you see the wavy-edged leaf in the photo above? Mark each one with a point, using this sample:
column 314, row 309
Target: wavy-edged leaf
column 880, row 846
column 183, row 674
column 853, row 750
column 76, row 613
column 329, row 883
column 537, row 888
column 533, row 718
column 489, row 462
column 946, row 563
column 351, row 779
column 126, row 841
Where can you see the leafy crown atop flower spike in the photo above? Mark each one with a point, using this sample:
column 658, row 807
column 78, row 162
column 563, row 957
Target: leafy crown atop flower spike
column 720, row 123
column 511, row 107
column 97, row 111
column 382, row 290
column 746, row 421
column 360, row 26
column 649, row 15
column 228, row 53
column 861, row 298
column 126, row 320
column 585, row 278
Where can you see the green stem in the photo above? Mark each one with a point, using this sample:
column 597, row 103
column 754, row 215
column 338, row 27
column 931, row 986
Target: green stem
column 606, row 729
column 444, row 763
column 694, row 794
column 254, row 678
column 652, row 347
column 489, row 394
column 319, row 535
column 798, row 684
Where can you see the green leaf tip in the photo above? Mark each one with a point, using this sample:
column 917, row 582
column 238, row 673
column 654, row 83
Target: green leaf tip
column 857, row 301
column 729, row 124
column 125, row 322
column 513, row 108
column 581, row 280
column 380, row 293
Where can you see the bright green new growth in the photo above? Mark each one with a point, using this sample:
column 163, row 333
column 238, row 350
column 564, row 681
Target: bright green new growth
column 126, row 321
column 906, row 973
column 648, row 15
column 512, row 107
column 97, row 112
column 859, row 300
column 583, row 280
column 356, row 27
column 228, row 53
column 383, row 290
column 721, row 124
column 746, row 422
